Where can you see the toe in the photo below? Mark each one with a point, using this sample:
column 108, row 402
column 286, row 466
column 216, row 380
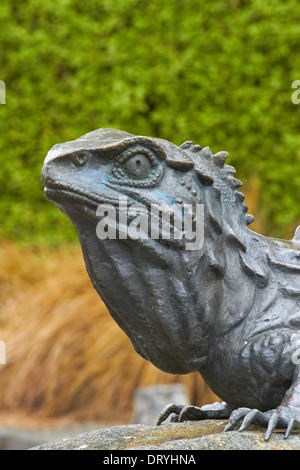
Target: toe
column 249, row 419
column 236, row 417
column 272, row 424
column 167, row 411
column 191, row 413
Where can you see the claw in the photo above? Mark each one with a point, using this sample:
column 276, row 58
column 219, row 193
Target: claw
column 235, row 418
column 294, row 423
column 272, row 425
column 229, row 427
column 167, row 411
column 289, row 428
column 269, row 419
column 249, row 418
column 191, row 413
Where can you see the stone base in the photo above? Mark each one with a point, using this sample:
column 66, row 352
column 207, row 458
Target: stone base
column 202, row 435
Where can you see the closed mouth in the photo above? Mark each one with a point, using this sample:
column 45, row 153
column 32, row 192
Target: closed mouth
column 79, row 200
column 74, row 199
column 76, row 194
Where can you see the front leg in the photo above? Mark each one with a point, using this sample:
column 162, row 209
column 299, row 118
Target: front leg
column 285, row 416
column 194, row 413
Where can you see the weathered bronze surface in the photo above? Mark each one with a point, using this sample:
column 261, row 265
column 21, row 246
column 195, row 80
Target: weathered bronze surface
column 229, row 309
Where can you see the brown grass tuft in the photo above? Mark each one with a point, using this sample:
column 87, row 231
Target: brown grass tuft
column 65, row 355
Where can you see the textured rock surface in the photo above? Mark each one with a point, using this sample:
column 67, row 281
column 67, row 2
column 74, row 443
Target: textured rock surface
column 205, row 435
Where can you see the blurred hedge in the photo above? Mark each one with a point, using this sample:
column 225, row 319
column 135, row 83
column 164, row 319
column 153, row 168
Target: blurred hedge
column 218, row 73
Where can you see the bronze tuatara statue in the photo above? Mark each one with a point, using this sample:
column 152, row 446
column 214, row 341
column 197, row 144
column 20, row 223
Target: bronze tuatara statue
column 229, row 309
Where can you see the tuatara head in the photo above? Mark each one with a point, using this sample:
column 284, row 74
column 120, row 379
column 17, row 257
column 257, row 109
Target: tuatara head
column 154, row 287
column 106, row 164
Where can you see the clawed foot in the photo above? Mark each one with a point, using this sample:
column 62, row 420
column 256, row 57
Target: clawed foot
column 283, row 417
column 180, row 413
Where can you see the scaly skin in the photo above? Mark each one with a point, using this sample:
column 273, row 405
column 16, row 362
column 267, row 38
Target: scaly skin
column 229, row 309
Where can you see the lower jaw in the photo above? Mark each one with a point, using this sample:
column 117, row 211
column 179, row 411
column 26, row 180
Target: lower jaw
column 73, row 204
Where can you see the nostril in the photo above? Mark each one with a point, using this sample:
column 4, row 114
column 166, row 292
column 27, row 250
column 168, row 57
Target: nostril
column 80, row 159
column 45, row 179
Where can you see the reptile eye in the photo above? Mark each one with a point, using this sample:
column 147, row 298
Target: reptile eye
column 137, row 166
column 80, row 159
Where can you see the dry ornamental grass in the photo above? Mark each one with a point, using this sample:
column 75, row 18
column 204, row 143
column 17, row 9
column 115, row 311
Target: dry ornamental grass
column 65, row 355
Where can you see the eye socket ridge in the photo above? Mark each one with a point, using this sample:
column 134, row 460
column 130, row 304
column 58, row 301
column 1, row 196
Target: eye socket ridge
column 135, row 164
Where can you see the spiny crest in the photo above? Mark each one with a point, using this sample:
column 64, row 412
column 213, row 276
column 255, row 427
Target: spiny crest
column 211, row 169
column 218, row 159
column 204, row 157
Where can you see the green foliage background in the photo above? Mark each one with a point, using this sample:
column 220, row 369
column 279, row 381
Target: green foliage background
column 215, row 72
